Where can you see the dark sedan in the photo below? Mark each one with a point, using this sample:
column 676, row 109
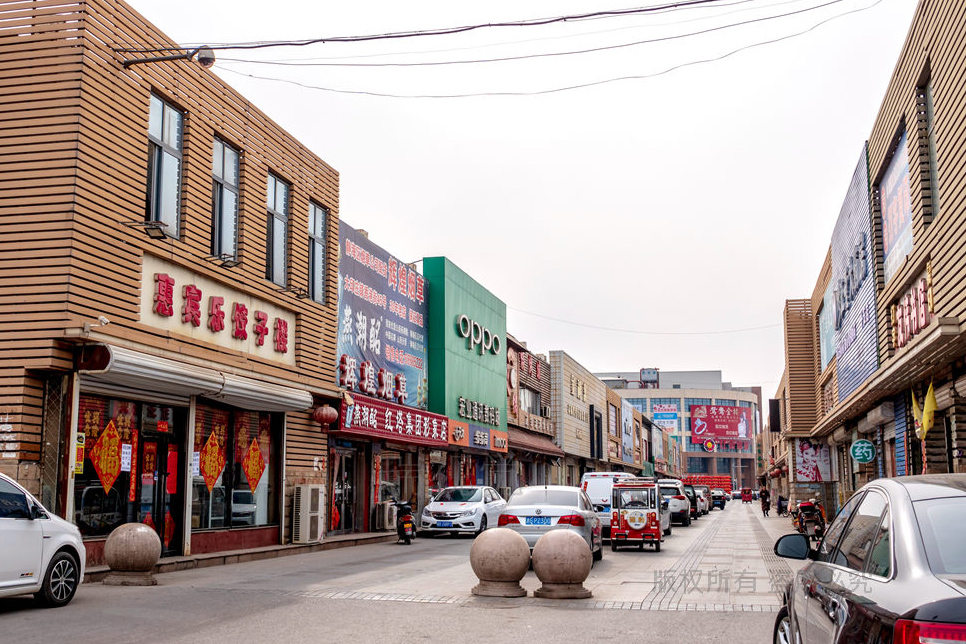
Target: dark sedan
column 891, row 568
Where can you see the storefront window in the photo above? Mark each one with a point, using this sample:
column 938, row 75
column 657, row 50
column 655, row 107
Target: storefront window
column 398, row 472
column 233, row 469
column 131, row 470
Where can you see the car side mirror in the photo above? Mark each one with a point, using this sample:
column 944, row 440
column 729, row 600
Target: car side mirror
column 37, row 512
column 664, row 505
column 793, row 546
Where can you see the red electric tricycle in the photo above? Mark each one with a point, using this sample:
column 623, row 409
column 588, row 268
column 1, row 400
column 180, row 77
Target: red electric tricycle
column 639, row 514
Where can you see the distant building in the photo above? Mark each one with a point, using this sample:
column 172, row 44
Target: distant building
column 710, row 422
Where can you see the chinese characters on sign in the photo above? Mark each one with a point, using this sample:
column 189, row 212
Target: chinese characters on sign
column 374, row 417
column 913, row 311
column 164, row 305
column 382, row 323
column 863, row 451
column 713, row 421
column 477, row 411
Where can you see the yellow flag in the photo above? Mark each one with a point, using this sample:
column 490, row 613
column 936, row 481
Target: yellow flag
column 928, row 410
column 917, row 415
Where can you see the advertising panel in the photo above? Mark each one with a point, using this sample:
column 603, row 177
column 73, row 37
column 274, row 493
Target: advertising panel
column 372, row 417
column 627, row 432
column 382, row 323
column 466, row 347
column 896, row 211
column 813, row 461
column 826, row 327
column 716, row 422
column 665, row 420
column 853, row 285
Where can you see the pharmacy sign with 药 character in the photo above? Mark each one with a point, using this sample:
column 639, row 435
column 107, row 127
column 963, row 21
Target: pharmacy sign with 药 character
column 863, row 451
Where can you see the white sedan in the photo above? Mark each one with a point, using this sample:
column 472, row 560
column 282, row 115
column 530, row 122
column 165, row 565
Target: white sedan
column 465, row 508
column 40, row 554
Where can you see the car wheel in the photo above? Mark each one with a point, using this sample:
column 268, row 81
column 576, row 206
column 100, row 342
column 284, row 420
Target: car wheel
column 657, row 546
column 667, row 533
column 482, row 525
column 783, row 627
column 60, row 582
column 599, row 553
column 687, row 521
column 613, row 545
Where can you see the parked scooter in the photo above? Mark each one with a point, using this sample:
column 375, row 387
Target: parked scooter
column 405, row 523
column 809, row 519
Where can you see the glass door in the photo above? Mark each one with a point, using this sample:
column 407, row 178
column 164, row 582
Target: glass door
column 342, row 483
column 161, row 496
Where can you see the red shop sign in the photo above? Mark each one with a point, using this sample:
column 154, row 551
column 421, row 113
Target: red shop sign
column 376, row 418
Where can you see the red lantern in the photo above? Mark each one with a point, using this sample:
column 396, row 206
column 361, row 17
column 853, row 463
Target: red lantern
column 325, row 415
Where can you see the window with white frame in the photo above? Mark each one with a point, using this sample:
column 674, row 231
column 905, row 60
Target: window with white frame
column 224, row 200
column 318, row 221
column 277, row 204
column 165, row 131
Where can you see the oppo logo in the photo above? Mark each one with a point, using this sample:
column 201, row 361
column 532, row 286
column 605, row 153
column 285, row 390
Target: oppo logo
column 478, row 336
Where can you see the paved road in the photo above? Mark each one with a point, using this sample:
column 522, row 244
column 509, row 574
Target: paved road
column 714, row 581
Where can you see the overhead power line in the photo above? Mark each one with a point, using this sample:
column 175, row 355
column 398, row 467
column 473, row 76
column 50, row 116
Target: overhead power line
column 552, row 54
column 567, row 87
column 536, row 22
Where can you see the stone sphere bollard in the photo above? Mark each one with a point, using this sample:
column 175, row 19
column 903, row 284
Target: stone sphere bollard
column 500, row 558
column 562, row 561
column 131, row 552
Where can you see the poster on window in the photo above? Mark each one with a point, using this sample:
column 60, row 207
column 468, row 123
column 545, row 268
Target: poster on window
column 383, row 310
column 813, row 461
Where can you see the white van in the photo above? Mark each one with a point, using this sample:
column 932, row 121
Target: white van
column 598, row 486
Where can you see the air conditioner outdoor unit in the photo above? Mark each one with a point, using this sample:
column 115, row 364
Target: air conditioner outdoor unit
column 389, row 516
column 308, row 514
column 378, row 517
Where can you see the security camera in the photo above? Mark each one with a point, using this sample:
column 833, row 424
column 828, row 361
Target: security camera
column 103, row 321
column 206, row 57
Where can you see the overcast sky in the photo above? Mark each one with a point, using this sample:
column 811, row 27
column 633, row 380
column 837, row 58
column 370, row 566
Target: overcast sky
column 659, row 221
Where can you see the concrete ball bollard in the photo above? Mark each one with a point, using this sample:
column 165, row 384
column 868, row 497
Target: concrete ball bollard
column 131, row 551
column 562, row 561
column 500, row 558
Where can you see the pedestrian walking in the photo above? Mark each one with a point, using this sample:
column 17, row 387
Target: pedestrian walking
column 765, row 497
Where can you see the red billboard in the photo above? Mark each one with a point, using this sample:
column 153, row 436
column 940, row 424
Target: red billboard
column 717, row 422
column 374, row 418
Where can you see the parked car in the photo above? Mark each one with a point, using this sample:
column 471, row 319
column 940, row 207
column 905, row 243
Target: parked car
column 891, row 568
column 536, row 510
column 704, row 498
column 464, row 508
column 40, row 553
column 598, row 486
column 672, row 491
column 718, row 499
column 243, row 507
column 736, row 495
column 692, row 495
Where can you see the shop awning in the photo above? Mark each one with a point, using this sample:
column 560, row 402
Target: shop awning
column 119, row 368
column 527, row 442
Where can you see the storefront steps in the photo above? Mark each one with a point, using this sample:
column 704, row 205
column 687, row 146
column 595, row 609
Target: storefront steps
column 171, row 564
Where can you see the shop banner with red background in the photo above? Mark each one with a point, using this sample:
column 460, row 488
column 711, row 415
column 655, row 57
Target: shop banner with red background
column 714, row 421
column 371, row 417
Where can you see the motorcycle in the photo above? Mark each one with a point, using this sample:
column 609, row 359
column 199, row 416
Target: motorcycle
column 405, row 523
column 808, row 519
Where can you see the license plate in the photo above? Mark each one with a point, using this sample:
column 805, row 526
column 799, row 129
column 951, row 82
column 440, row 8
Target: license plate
column 538, row 520
column 444, row 524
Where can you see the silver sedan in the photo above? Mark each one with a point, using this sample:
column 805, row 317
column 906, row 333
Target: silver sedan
column 536, row 510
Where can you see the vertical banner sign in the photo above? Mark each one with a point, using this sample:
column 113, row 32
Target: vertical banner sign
column 382, row 323
column 896, row 211
column 627, row 432
column 853, row 285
